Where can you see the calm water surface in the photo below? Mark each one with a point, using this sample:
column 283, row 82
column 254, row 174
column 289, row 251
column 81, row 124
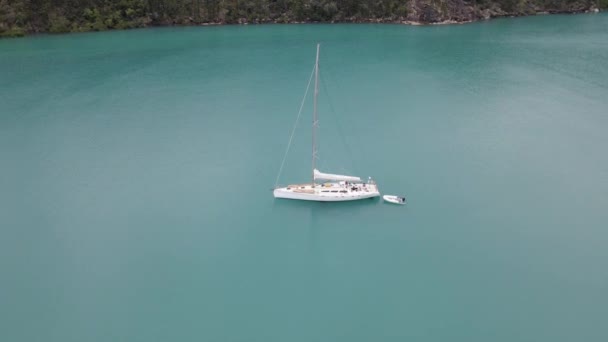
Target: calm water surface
column 136, row 169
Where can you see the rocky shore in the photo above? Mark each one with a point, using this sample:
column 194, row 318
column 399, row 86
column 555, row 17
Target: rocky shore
column 21, row 20
column 425, row 12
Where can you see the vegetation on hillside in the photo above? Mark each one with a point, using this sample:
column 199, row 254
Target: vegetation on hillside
column 19, row 17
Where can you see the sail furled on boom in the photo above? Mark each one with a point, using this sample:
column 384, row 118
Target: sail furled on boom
column 333, row 177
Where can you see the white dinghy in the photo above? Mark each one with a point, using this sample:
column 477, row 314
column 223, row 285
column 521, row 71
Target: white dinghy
column 324, row 187
column 394, row 199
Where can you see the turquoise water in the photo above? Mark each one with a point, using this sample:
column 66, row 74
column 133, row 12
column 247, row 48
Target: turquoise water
column 135, row 200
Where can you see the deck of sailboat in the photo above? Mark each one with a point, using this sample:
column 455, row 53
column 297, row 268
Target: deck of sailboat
column 330, row 192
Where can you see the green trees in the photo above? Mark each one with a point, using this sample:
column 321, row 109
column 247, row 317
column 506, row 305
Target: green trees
column 18, row 17
column 11, row 19
column 103, row 15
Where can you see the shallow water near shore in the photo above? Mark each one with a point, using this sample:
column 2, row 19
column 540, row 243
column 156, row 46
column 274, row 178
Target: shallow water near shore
column 137, row 169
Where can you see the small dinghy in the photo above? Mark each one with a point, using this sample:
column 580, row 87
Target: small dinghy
column 394, row 199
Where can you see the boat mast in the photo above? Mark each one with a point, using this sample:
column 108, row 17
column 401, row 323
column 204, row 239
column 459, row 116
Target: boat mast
column 314, row 117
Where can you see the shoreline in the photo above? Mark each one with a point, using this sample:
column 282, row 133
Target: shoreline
column 396, row 21
column 400, row 21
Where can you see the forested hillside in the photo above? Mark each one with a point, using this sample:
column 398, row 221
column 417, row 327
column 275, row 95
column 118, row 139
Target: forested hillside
column 19, row 17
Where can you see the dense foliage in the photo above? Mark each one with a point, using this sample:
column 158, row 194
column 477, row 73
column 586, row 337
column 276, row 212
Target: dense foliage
column 18, row 17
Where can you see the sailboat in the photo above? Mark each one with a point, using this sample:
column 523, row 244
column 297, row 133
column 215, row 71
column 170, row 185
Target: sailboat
column 326, row 187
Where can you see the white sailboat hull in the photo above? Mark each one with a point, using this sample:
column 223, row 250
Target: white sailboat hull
column 329, row 192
